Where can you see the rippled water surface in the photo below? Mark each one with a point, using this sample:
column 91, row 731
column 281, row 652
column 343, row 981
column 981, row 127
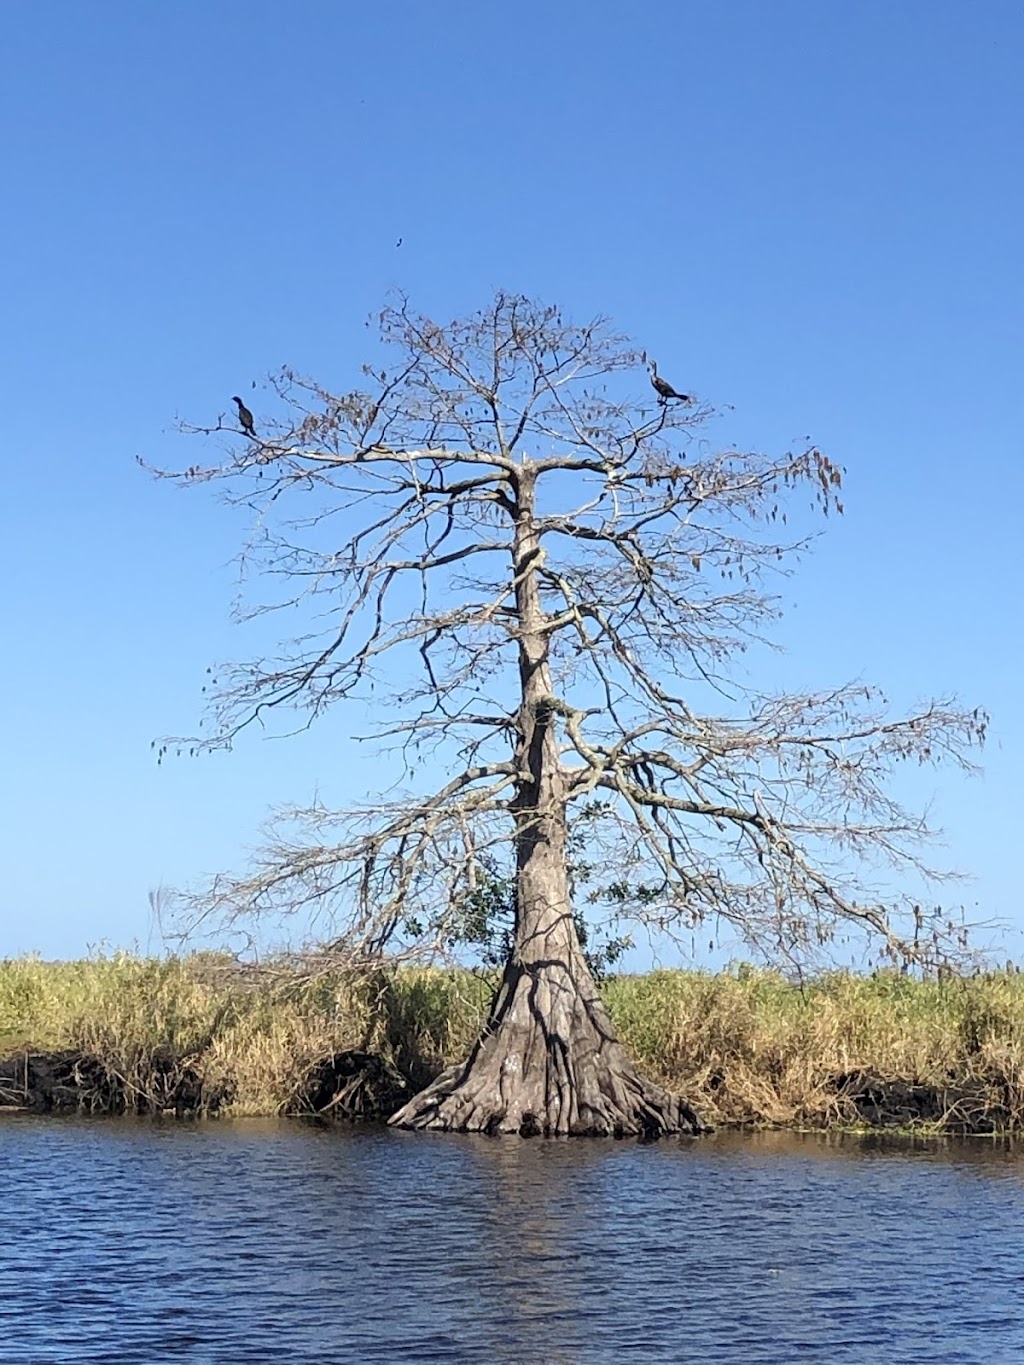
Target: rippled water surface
column 251, row 1242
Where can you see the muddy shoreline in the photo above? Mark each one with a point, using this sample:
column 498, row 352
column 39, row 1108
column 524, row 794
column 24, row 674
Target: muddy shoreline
column 349, row 1086
column 354, row 1086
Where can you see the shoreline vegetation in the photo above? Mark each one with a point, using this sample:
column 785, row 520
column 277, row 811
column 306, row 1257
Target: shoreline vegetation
column 200, row 1036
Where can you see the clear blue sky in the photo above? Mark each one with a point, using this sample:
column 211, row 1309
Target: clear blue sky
column 813, row 212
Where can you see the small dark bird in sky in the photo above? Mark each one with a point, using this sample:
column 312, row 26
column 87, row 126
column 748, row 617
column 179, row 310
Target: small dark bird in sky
column 664, row 389
column 244, row 417
column 399, row 242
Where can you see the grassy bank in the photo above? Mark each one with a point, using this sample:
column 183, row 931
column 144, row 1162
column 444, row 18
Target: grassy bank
column 743, row 1046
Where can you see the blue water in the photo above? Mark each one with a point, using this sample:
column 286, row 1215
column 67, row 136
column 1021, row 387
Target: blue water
column 139, row 1242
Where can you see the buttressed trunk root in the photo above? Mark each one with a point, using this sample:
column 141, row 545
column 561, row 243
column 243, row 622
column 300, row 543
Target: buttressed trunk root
column 548, row 1063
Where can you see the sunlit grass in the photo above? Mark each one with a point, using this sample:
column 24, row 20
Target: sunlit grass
column 255, row 1037
column 752, row 1048
column 745, row 1045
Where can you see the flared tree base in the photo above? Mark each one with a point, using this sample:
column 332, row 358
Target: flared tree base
column 548, row 1063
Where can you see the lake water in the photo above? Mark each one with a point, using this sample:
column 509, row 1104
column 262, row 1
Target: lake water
column 133, row 1242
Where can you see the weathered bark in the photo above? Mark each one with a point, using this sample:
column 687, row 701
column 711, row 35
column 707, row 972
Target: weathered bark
column 548, row 1063
column 548, row 1060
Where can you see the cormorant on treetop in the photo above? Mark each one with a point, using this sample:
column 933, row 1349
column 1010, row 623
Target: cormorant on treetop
column 244, row 417
column 664, row 389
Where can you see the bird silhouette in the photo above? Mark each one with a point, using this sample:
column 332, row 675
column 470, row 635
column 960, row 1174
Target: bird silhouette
column 664, row 389
column 244, row 417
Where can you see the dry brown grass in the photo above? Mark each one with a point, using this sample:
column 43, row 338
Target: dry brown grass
column 744, row 1046
column 254, row 1038
column 748, row 1047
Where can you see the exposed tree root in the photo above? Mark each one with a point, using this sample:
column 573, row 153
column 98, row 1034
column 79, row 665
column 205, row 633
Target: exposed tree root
column 548, row 1063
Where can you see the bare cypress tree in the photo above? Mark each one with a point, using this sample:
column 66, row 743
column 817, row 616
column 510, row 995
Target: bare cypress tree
column 543, row 576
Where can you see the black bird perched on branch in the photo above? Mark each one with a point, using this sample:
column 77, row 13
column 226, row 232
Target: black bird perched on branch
column 664, row 389
column 244, row 417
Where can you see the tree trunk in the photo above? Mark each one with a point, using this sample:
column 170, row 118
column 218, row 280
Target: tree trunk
column 548, row 1061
